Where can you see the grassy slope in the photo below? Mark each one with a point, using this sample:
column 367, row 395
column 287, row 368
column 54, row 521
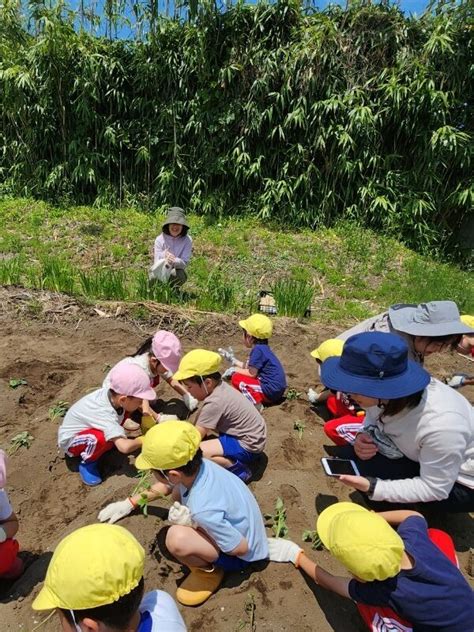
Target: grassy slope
column 355, row 272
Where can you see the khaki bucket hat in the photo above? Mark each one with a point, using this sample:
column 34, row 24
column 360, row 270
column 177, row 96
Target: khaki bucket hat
column 176, row 216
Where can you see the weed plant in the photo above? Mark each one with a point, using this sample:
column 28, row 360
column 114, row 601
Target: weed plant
column 293, row 297
column 57, row 275
column 11, row 271
column 21, row 440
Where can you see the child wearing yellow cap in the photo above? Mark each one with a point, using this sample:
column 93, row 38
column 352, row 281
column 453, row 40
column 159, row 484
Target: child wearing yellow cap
column 240, row 427
column 405, row 579
column 95, row 582
column 262, row 377
column 217, row 524
column 347, row 417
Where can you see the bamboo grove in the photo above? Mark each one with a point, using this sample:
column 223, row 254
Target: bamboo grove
column 296, row 115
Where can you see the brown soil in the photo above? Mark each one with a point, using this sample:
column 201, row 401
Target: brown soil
column 62, row 351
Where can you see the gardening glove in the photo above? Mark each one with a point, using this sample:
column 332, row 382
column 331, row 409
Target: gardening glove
column 313, row 397
column 228, row 373
column 3, row 535
column 227, row 354
column 116, row 511
column 457, row 380
column 190, row 402
column 280, row 550
column 180, row 514
column 163, row 417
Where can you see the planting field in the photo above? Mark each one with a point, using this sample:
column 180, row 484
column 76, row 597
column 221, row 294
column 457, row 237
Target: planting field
column 62, row 351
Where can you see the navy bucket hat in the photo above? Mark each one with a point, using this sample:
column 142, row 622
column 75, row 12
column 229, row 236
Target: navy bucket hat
column 375, row 364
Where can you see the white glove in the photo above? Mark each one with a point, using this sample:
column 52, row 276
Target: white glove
column 280, row 550
column 163, row 417
column 227, row 354
column 116, row 511
column 3, row 534
column 180, row 514
column 190, row 402
column 313, row 397
column 228, row 373
column 457, row 380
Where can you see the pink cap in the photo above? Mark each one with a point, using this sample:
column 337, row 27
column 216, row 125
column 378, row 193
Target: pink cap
column 131, row 380
column 167, row 348
column 3, row 469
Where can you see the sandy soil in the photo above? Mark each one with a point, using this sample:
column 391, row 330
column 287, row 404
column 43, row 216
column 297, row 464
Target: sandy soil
column 62, row 351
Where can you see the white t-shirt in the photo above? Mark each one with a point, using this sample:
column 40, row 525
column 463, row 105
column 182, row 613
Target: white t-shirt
column 439, row 435
column 159, row 613
column 5, row 507
column 140, row 360
column 92, row 411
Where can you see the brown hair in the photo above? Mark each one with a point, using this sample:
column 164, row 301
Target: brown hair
column 395, row 406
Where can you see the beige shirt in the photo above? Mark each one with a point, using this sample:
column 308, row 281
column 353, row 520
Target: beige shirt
column 227, row 411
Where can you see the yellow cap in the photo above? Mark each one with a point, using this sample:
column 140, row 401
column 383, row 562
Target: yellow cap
column 362, row 540
column 258, row 326
column 468, row 320
column 328, row 349
column 93, row 566
column 198, row 362
column 168, row 445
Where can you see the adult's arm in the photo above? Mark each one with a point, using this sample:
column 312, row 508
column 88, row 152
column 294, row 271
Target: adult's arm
column 441, row 456
column 182, row 262
column 159, row 249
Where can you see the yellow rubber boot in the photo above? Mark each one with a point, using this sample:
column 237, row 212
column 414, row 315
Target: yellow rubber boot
column 199, row 586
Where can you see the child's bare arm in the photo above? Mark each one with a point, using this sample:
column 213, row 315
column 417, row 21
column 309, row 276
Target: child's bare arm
column 241, row 549
column 339, row 585
column 10, row 525
column 251, row 371
column 127, row 446
column 397, row 516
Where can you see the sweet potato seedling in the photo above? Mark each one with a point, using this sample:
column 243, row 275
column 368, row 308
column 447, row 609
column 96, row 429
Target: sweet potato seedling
column 299, row 426
column 278, row 519
column 143, row 485
column 21, row 440
column 248, row 624
column 313, row 537
column 292, row 394
column 58, row 410
column 16, row 382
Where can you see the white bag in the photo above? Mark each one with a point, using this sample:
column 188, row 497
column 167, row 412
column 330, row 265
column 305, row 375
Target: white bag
column 160, row 271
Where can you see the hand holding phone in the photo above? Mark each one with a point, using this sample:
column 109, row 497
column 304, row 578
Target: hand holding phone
column 339, row 467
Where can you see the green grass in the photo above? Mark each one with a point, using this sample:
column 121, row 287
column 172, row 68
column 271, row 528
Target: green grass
column 347, row 273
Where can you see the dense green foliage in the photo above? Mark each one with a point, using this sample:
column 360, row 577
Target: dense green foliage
column 302, row 117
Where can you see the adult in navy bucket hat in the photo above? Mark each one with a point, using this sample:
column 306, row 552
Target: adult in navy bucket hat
column 417, row 441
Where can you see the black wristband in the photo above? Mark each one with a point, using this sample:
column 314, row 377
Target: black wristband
column 372, row 483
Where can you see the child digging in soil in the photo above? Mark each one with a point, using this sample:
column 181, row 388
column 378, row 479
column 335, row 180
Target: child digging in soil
column 347, row 418
column 218, row 527
column 401, row 581
column 95, row 583
column 240, row 427
column 92, row 426
column 159, row 357
column 11, row 566
column 261, row 378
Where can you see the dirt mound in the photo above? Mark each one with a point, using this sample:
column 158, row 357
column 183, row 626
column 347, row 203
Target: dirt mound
column 62, row 351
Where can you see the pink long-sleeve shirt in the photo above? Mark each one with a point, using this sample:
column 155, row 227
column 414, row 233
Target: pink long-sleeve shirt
column 180, row 247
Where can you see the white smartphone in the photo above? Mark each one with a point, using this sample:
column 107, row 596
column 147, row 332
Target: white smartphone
column 336, row 467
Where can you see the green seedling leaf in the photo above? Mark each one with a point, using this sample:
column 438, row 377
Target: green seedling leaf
column 249, row 624
column 58, row 410
column 292, row 394
column 106, row 368
column 299, row 426
column 278, row 519
column 21, row 440
column 313, row 537
column 16, row 382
